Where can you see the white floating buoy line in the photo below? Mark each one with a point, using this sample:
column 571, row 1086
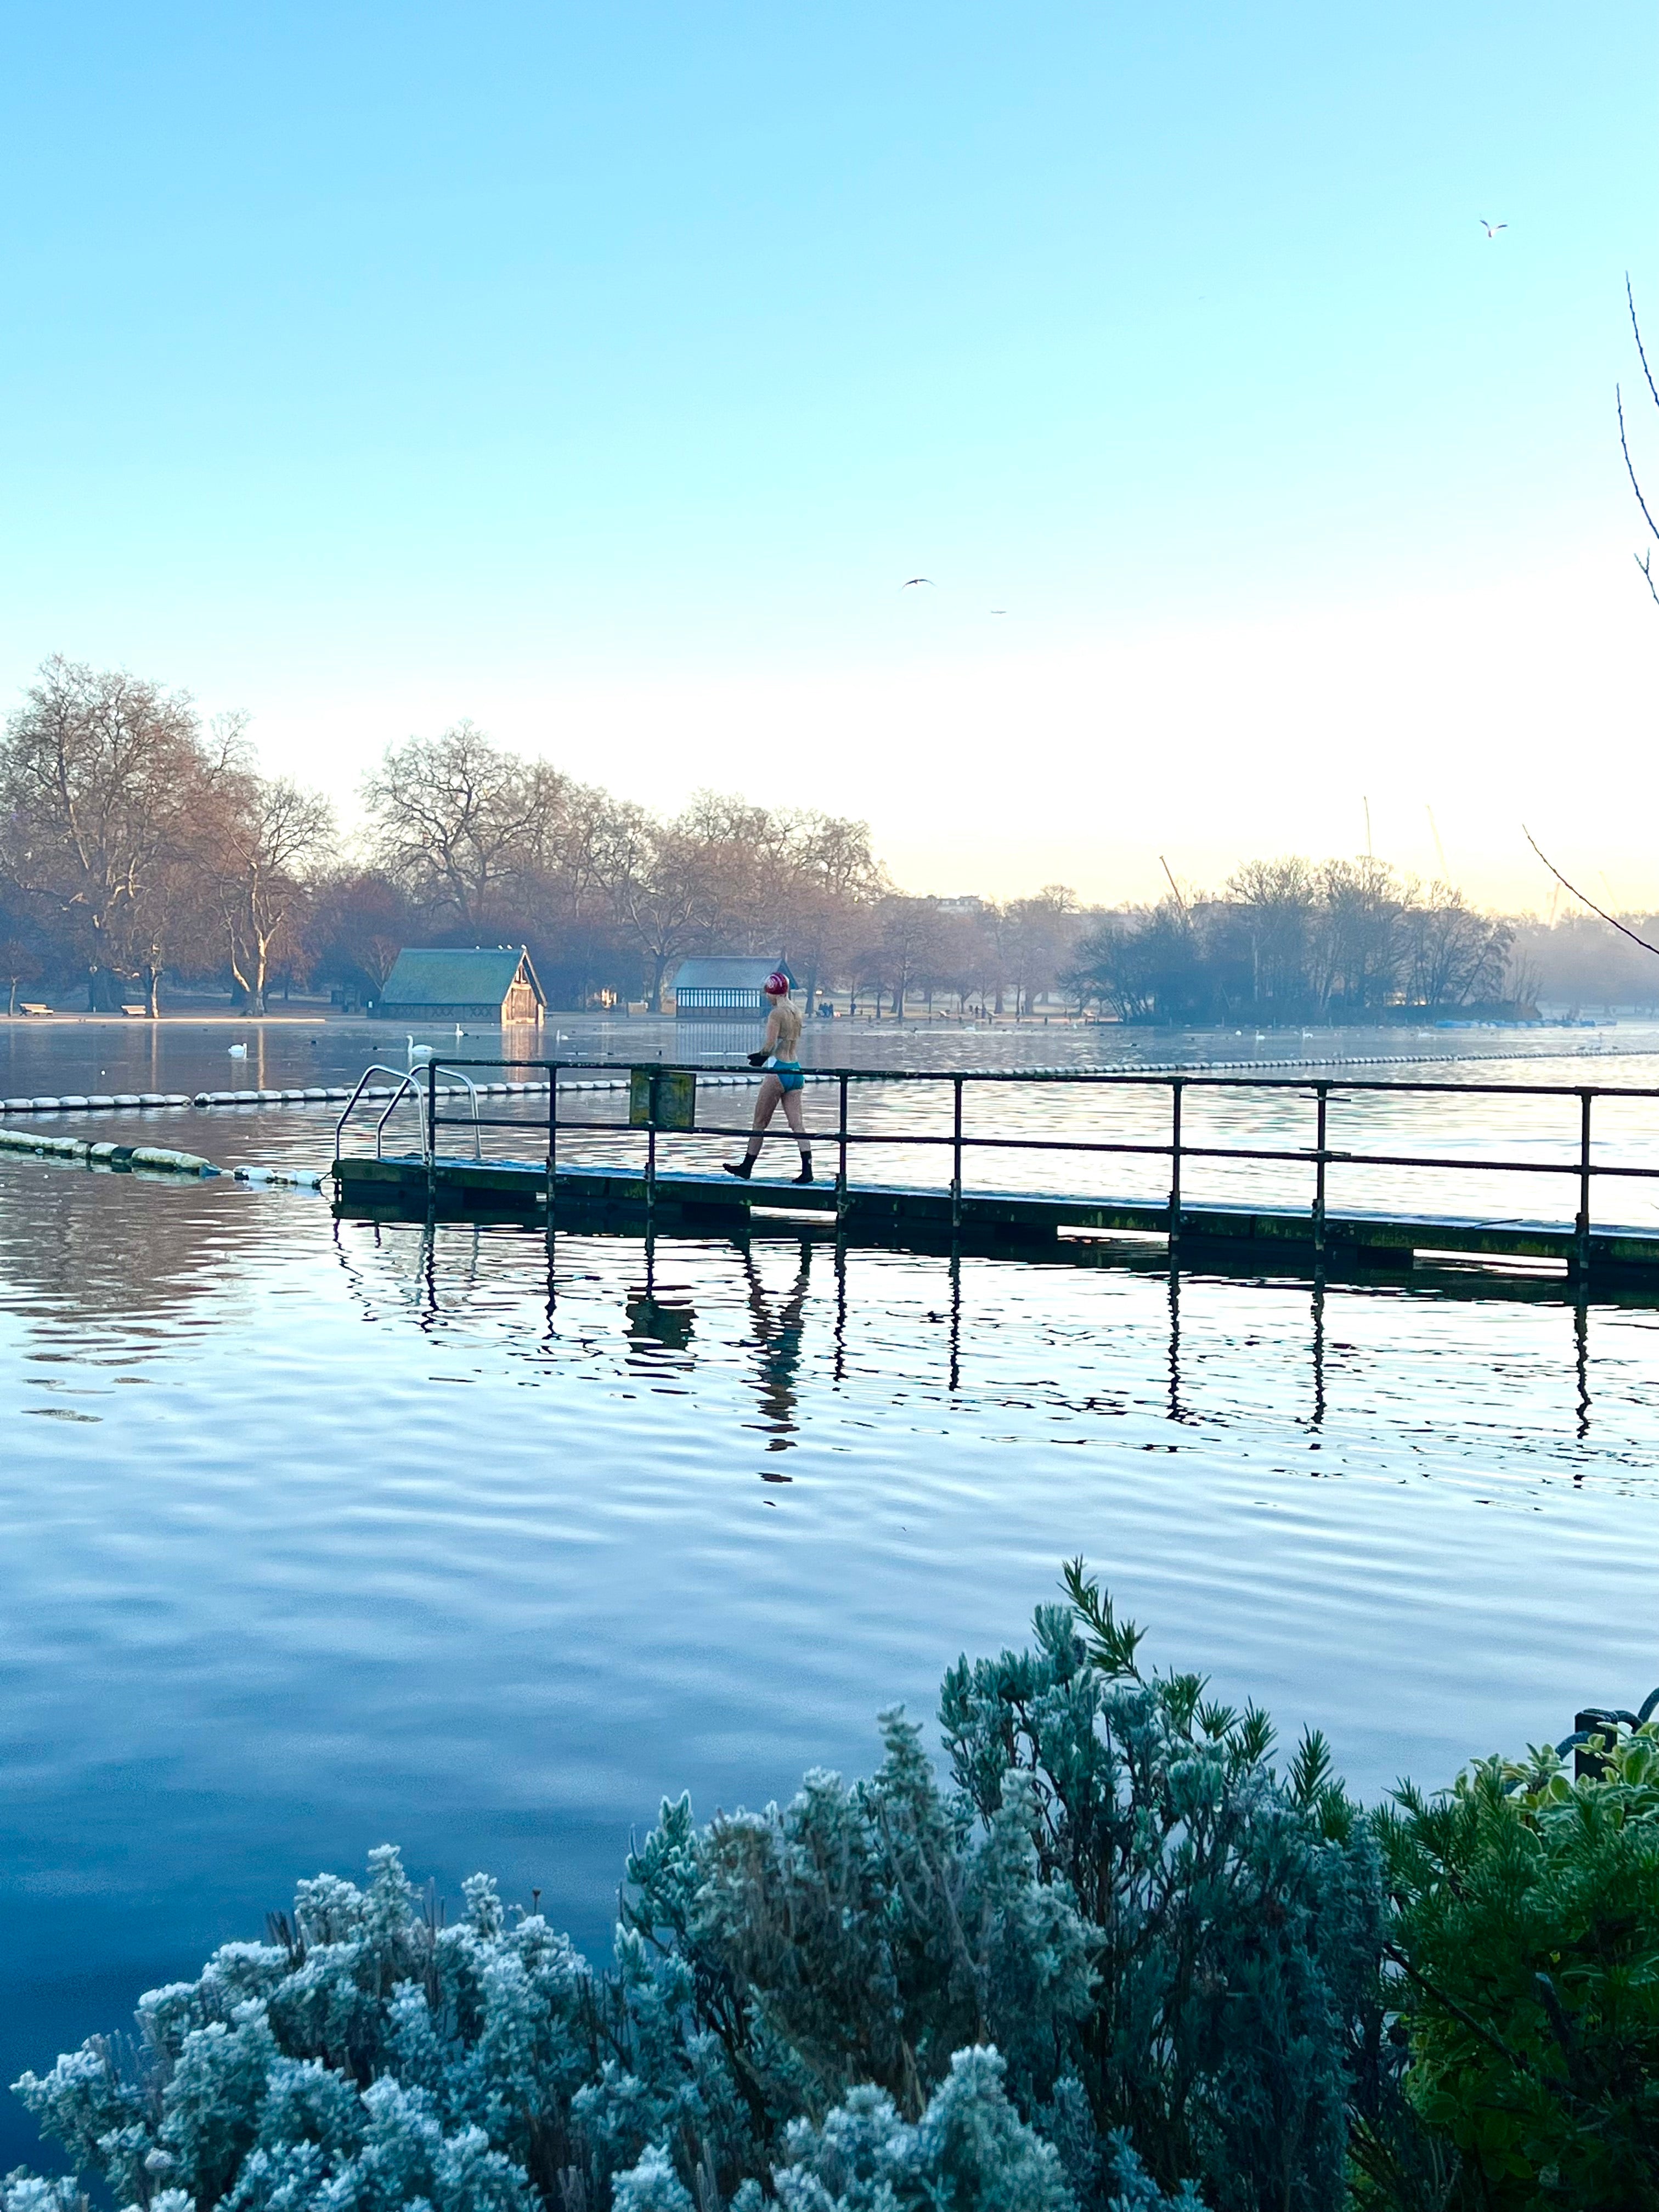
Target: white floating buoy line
column 159, row 1159
column 339, row 1094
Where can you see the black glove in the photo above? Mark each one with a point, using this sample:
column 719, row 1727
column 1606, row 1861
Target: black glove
column 759, row 1059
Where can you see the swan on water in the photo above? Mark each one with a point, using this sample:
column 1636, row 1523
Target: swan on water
column 418, row 1052
column 239, row 1052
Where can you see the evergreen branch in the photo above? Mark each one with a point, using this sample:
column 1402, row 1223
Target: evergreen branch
column 1518, row 2059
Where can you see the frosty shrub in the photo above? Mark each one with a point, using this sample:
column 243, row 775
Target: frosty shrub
column 1119, row 1965
column 1234, row 1921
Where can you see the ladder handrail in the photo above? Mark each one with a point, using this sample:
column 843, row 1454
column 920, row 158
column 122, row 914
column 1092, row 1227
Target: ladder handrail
column 406, row 1082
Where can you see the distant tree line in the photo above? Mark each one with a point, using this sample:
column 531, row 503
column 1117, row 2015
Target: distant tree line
column 1288, row 940
column 138, row 842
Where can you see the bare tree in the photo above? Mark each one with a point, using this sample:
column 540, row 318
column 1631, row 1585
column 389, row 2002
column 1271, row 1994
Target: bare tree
column 1038, row 936
column 1279, row 900
column 666, row 897
column 104, row 781
column 359, row 922
column 273, row 833
column 1360, row 947
column 905, row 949
column 455, row 820
column 1455, row 954
column 835, row 880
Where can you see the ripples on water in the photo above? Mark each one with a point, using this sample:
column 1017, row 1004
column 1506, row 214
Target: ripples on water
column 321, row 1535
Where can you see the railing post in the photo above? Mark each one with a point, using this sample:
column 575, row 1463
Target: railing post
column 431, row 1136
column 1583, row 1224
column 1322, row 1092
column 651, row 1159
column 552, row 1139
column 956, row 1158
column 841, row 1162
column 1175, row 1162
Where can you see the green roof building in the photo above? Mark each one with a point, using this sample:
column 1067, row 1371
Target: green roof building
column 462, row 983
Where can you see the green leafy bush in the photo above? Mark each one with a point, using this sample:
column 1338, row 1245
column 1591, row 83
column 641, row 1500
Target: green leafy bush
column 1526, row 1944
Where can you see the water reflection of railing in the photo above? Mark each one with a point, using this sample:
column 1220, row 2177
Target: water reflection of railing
column 1582, row 1169
column 793, row 1317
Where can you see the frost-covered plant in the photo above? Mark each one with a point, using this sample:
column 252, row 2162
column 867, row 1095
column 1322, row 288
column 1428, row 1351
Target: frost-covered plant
column 26, row 2192
column 1235, row 1920
column 1120, row 1954
column 865, row 1934
column 366, row 2050
column 970, row 2151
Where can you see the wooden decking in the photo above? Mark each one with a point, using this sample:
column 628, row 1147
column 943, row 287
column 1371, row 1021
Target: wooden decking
column 1255, row 1239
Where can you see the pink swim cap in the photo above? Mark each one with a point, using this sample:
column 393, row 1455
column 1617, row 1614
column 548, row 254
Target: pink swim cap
column 776, row 985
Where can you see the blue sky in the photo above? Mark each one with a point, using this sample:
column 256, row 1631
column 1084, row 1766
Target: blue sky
column 601, row 373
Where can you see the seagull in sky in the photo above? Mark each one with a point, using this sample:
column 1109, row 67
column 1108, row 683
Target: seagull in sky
column 1491, row 229
column 908, row 580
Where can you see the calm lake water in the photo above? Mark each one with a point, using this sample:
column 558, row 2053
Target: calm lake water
column 321, row 1535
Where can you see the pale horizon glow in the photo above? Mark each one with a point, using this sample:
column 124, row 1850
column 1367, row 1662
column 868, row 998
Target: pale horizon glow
column 1169, row 727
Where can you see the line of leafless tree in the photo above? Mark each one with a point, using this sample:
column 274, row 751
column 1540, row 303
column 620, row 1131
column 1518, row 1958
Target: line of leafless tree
column 138, row 843
column 1288, row 940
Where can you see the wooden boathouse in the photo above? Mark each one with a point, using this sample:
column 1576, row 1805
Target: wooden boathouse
column 463, row 983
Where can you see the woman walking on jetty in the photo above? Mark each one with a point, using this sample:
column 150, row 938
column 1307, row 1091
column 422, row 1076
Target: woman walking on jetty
column 783, row 1080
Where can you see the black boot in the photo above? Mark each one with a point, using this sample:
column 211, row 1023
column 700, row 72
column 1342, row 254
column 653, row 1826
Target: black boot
column 742, row 1168
column 805, row 1175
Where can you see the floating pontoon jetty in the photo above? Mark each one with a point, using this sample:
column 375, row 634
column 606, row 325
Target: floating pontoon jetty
column 1276, row 1238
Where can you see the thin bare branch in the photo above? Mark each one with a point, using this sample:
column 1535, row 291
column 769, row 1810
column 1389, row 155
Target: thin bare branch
column 1582, row 901
column 1641, row 350
column 1630, row 465
column 1644, row 562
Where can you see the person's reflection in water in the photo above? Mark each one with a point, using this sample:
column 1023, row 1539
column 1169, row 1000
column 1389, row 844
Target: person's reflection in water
column 659, row 1320
column 660, row 1315
column 776, row 1328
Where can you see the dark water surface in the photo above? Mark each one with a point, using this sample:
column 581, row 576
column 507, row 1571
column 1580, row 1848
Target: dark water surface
column 321, row 1534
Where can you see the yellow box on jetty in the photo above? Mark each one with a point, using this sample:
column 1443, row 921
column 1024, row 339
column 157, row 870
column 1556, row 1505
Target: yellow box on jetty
column 662, row 1098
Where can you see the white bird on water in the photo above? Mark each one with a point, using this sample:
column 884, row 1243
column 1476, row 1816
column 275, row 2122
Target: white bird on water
column 239, row 1052
column 418, row 1052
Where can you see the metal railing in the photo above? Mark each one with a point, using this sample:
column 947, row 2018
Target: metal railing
column 408, row 1085
column 1320, row 1156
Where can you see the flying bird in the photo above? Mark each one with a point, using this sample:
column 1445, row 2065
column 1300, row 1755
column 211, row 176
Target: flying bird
column 1491, row 229
column 908, row 580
